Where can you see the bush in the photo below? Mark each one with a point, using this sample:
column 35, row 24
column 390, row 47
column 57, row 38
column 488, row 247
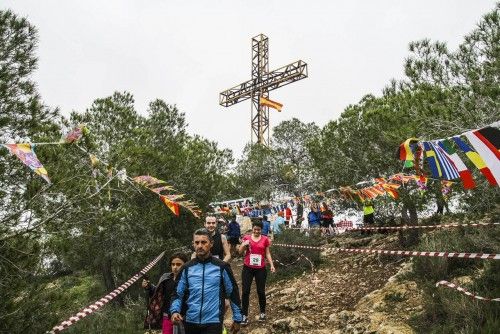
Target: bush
column 288, row 255
column 447, row 311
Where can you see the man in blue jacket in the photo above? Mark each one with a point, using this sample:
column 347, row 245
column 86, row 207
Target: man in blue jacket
column 202, row 285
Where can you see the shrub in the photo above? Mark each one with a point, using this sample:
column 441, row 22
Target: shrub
column 288, row 255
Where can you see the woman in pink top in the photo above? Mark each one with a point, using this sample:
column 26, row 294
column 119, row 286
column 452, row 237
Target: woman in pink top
column 256, row 248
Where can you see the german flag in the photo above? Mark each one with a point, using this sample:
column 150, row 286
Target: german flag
column 476, row 160
column 173, row 206
column 270, row 103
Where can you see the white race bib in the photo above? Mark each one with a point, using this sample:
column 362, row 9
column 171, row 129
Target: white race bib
column 256, row 260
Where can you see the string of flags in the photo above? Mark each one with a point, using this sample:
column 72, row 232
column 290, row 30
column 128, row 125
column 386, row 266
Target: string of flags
column 26, row 153
column 444, row 162
column 158, row 186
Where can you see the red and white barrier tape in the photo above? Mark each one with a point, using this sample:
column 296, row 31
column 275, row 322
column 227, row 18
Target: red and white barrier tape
column 302, row 256
column 104, row 300
column 401, row 253
column 470, row 294
column 410, row 227
column 406, row 227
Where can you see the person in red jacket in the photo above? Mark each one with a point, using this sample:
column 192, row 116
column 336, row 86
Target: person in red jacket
column 326, row 220
column 288, row 217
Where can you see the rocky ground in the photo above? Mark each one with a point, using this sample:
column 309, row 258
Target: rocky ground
column 361, row 293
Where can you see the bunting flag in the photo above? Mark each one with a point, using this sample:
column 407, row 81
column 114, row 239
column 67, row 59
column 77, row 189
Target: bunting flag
column 170, row 200
column 405, row 152
column 389, row 187
column 464, row 173
column 173, row 206
column 487, row 150
column 76, row 134
column 162, row 188
column 147, row 181
column 476, row 160
column 401, row 178
column 270, row 103
column 448, row 168
column 490, row 136
column 431, row 158
column 421, row 183
column 446, row 187
column 26, row 153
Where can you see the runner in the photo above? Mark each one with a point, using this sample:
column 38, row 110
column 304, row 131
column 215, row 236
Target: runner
column 326, row 220
column 288, row 216
column 233, row 235
column 220, row 247
column 314, row 216
column 202, row 285
column 278, row 224
column 256, row 248
column 159, row 296
column 266, row 226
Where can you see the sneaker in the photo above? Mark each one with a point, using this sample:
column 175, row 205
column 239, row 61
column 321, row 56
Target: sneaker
column 244, row 321
column 262, row 317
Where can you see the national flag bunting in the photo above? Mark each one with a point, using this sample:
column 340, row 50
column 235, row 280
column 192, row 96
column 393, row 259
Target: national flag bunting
column 487, row 150
column 431, row 158
column 270, row 103
column 476, row 160
column 464, row 173
column 406, row 153
column 173, row 206
column 448, row 169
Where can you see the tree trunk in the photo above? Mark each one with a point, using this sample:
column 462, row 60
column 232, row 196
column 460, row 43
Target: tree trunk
column 409, row 216
column 109, row 281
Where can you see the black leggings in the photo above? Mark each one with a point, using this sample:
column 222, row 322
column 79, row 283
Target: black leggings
column 247, row 276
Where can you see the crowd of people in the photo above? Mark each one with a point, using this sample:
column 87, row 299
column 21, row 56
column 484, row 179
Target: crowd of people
column 194, row 297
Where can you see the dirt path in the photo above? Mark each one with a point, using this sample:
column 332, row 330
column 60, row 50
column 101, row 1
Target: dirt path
column 308, row 301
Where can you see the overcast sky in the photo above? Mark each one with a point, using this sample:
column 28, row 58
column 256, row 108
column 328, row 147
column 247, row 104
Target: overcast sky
column 186, row 52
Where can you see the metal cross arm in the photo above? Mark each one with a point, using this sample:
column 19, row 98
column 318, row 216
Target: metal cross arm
column 278, row 78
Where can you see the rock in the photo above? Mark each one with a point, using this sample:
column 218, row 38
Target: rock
column 288, row 291
column 259, row 331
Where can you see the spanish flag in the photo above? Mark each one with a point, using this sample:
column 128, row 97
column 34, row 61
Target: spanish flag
column 270, row 103
column 174, row 207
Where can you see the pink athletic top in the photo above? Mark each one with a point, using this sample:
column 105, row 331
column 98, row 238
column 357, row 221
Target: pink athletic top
column 255, row 257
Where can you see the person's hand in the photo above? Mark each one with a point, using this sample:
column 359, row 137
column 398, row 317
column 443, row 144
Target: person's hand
column 235, row 328
column 245, row 243
column 273, row 270
column 176, row 317
column 145, row 283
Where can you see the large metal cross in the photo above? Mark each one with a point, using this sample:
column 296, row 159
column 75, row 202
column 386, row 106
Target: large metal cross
column 261, row 84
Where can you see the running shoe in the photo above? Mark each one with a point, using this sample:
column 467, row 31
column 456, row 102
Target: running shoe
column 244, row 321
column 262, row 317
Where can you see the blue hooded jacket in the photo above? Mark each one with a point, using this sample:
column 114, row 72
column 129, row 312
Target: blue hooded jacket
column 202, row 286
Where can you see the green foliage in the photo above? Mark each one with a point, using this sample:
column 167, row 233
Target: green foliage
column 447, row 311
column 288, row 256
column 283, row 168
column 395, row 297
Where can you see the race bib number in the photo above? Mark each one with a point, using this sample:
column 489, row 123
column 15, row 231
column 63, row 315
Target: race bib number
column 256, row 260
